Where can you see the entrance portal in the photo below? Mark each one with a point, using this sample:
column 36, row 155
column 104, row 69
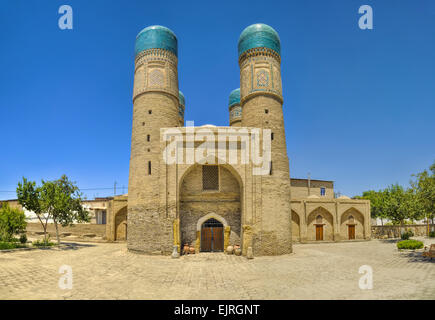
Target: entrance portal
column 212, row 236
column 351, row 232
column 319, row 232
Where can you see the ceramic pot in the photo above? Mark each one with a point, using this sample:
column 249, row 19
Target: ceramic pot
column 175, row 253
column 238, row 252
column 186, row 249
column 192, row 250
column 230, row 249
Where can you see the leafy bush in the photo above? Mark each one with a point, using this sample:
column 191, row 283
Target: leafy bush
column 23, row 238
column 10, row 245
column 432, row 234
column 406, row 235
column 43, row 243
column 410, row 244
column 12, row 222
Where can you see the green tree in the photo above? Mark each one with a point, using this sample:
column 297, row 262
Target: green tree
column 62, row 199
column 12, row 222
column 376, row 203
column 29, row 196
column 59, row 200
column 424, row 187
column 400, row 204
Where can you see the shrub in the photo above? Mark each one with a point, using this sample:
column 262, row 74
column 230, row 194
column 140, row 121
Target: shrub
column 23, row 238
column 410, row 244
column 12, row 222
column 43, row 243
column 10, row 245
column 432, row 234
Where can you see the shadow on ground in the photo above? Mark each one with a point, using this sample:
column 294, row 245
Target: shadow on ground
column 74, row 245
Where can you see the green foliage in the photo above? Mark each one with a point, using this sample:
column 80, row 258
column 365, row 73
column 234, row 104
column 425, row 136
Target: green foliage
column 59, row 200
column 406, row 235
column 403, row 206
column 12, row 222
column 7, row 245
column 43, row 243
column 424, row 186
column 23, row 238
column 410, row 244
column 432, row 234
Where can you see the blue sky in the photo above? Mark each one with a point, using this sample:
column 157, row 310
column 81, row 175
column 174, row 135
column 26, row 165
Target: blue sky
column 359, row 104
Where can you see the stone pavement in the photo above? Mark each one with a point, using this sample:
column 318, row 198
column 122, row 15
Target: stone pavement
column 313, row 271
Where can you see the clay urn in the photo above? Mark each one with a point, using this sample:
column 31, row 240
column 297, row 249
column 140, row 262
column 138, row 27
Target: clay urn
column 238, row 251
column 192, row 250
column 230, row 250
column 186, row 248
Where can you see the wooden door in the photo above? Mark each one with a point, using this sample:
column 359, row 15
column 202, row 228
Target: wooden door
column 218, row 239
column 206, row 233
column 319, row 232
column 212, row 236
column 351, row 232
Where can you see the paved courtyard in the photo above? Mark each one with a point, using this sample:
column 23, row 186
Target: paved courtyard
column 314, row 271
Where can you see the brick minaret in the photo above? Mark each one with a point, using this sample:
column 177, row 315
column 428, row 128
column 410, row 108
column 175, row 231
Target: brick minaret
column 261, row 100
column 235, row 108
column 155, row 105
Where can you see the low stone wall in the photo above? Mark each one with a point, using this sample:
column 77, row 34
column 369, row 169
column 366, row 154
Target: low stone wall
column 79, row 230
column 385, row 232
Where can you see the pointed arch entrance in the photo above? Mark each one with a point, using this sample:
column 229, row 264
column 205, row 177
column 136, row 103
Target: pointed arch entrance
column 212, row 236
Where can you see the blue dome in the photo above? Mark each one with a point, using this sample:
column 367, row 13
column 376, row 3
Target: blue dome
column 234, row 97
column 259, row 35
column 156, row 37
column 181, row 98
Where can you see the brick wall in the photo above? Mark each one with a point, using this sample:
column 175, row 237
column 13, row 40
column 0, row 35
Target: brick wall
column 77, row 230
column 380, row 232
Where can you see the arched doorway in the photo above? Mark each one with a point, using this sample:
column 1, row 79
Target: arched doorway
column 210, row 191
column 352, row 225
column 121, row 225
column 212, row 236
column 295, row 227
column 319, row 228
column 320, row 225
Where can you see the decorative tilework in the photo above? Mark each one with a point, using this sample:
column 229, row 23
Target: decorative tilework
column 156, row 78
column 262, row 78
column 234, row 97
column 259, row 35
column 156, row 37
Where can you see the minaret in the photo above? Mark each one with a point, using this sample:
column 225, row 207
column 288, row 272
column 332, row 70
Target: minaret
column 155, row 106
column 261, row 100
column 181, row 107
column 235, row 108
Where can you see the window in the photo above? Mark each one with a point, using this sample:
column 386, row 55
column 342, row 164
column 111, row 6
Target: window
column 271, row 136
column 149, row 167
column 266, row 111
column 210, row 177
column 319, row 219
column 101, row 217
column 322, row 191
column 148, row 137
column 150, row 111
column 351, row 219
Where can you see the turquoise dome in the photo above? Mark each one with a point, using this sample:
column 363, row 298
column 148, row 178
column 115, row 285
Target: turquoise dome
column 181, row 98
column 156, row 37
column 234, row 97
column 259, row 35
